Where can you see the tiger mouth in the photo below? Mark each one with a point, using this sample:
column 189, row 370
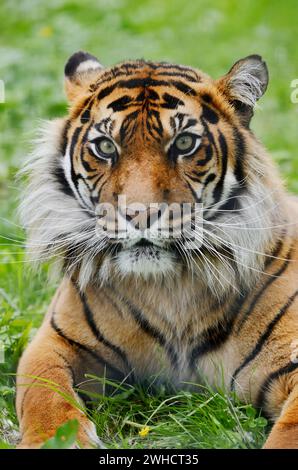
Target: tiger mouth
column 148, row 249
column 145, row 258
column 143, row 243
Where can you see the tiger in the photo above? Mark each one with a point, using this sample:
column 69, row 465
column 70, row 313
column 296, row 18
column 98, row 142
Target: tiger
column 218, row 302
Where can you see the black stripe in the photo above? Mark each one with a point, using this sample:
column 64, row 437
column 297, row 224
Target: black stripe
column 102, row 124
column 209, row 148
column 217, row 193
column 260, row 401
column 85, row 135
column 84, row 105
column 239, row 155
column 97, row 333
column 152, row 95
column 179, row 74
column 209, row 114
column 84, row 348
column 73, row 143
column 95, row 183
column 74, row 176
column 96, row 199
column 147, row 82
column 263, row 338
column 86, row 113
column 121, row 103
column 142, row 96
column 180, row 117
column 87, row 167
column 181, row 68
column 184, row 88
column 190, row 123
column 232, row 203
column 97, row 180
column 125, row 134
column 210, row 340
column 157, row 126
column 201, row 173
column 151, row 330
column 60, row 177
column 85, row 116
column 106, row 91
column 64, row 140
column 214, row 336
column 149, row 127
column 193, row 177
column 170, row 101
column 85, row 164
column 141, row 83
column 112, row 75
column 209, row 134
column 209, row 178
column 132, row 68
column 206, row 97
column 173, row 124
column 259, row 294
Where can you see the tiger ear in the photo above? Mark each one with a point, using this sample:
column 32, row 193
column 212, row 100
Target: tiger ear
column 80, row 71
column 244, row 85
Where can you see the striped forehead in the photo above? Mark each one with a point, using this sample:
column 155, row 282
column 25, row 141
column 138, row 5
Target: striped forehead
column 160, row 109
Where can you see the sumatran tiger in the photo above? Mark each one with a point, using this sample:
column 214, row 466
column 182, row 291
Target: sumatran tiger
column 222, row 308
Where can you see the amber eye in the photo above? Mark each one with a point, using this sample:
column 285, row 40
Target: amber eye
column 185, row 144
column 106, row 147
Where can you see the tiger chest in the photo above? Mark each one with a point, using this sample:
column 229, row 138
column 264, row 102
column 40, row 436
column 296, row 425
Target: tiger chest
column 185, row 366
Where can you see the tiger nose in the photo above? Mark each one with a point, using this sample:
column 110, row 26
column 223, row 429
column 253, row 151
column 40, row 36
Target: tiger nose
column 143, row 218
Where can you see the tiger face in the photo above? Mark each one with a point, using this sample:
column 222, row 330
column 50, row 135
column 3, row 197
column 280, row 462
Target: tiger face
column 157, row 135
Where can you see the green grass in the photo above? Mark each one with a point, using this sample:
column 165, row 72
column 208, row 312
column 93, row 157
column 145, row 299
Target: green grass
column 36, row 39
column 184, row 420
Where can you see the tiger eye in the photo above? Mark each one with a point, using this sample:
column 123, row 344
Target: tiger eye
column 184, row 142
column 107, row 147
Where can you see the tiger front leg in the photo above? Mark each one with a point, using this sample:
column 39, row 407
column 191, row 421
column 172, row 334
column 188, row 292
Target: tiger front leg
column 45, row 392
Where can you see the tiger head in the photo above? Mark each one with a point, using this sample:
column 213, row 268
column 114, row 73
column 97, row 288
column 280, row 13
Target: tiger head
column 157, row 135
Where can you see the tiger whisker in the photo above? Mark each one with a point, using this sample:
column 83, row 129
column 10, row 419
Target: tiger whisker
column 234, row 245
column 241, row 196
column 223, row 257
column 212, row 267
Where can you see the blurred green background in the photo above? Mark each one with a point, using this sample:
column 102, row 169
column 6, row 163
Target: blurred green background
column 36, row 39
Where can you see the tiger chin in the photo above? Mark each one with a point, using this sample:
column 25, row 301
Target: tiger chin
column 143, row 303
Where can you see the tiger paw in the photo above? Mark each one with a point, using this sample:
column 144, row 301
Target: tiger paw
column 86, row 438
